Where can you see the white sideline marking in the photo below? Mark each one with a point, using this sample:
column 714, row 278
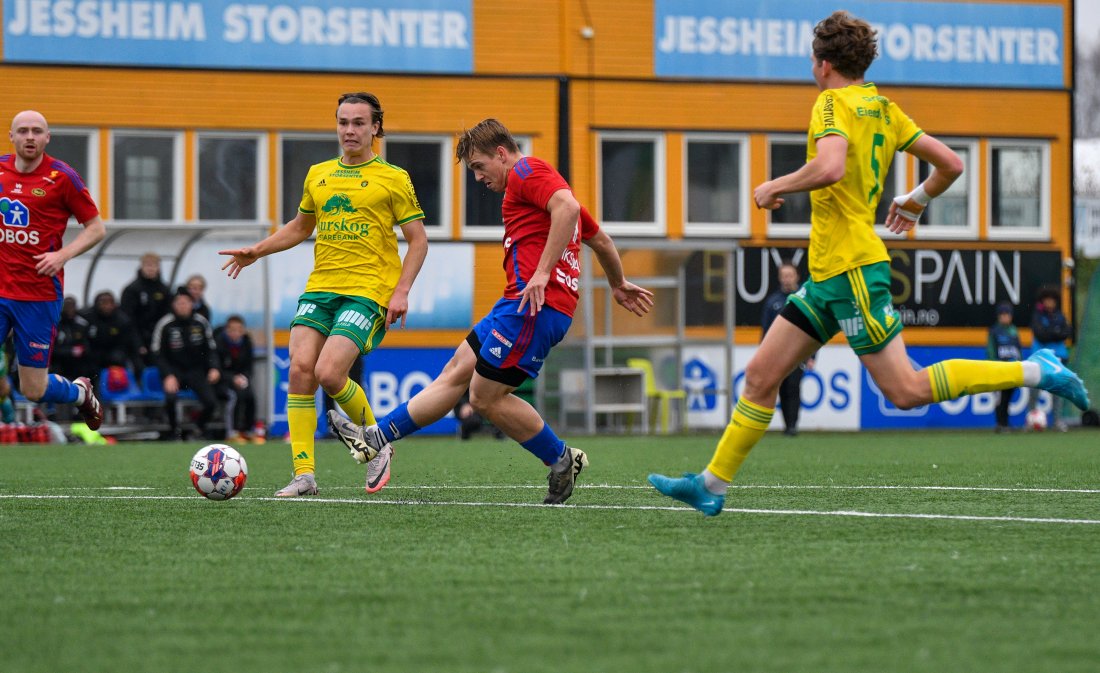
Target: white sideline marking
column 657, row 508
column 633, row 487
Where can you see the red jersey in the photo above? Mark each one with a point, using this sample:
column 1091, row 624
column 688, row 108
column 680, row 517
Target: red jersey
column 34, row 211
column 527, row 226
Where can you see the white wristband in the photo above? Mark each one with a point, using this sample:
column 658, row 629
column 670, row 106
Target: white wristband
column 920, row 197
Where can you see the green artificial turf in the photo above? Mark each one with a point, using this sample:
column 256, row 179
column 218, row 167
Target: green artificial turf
column 450, row 568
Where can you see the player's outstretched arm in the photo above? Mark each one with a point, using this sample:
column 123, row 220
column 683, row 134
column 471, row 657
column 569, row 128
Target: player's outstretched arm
column 51, row 263
column 947, row 167
column 295, row 231
column 417, row 238
column 633, row 298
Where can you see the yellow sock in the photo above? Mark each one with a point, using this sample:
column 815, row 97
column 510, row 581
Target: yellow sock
column 746, row 427
column 955, row 378
column 353, row 401
column 301, row 416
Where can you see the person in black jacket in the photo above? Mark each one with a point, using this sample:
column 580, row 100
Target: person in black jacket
column 1004, row 345
column 112, row 339
column 1050, row 329
column 790, row 390
column 196, row 287
column 184, row 350
column 235, row 359
column 72, row 354
column 147, row 300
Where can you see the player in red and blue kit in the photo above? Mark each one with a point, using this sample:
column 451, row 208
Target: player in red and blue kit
column 38, row 194
column 544, row 226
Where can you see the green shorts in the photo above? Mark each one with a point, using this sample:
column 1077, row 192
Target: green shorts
column 857, row 302
column 357, row 318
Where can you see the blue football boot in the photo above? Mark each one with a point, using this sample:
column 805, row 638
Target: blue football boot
column 691, row 490
column 1056, row 378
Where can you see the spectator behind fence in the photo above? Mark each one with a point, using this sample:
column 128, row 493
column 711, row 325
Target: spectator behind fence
column 1050, row 329
column 111, row 336
column 72, row 353
column 234, row 347
column 146, row 300
column 184, row 350
column 1004, row 345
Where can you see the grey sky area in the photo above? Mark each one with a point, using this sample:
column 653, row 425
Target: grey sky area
column 1087, row 22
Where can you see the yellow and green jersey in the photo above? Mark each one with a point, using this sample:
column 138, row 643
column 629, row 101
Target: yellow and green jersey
column 842, row 236
column 357, row 208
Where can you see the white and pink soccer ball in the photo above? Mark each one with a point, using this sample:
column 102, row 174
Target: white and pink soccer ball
column 218, row 471
column 1036, row 419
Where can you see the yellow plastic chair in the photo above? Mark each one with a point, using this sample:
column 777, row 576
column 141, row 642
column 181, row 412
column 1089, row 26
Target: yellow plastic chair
column 663, row 397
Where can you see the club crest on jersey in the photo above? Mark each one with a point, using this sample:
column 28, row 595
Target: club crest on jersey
column 14, row 213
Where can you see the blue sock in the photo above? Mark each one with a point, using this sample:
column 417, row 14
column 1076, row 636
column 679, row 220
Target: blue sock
column 546, row 446
column 60, row 389
column 397, row 423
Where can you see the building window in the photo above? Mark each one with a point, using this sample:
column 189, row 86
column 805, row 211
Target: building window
column 953, row 214
column 426, row 160
column 1019, row 190
column 78, row 148
column 482, row 218
column 631, row 182
column 786, row 154
column 716, row 189
column 297, row 154
column 146, row 183
column 229, row 179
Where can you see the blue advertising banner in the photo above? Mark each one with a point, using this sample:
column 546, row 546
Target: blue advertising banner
column 390, row 376
column 332, row 35
column 972, row 411
column 939, row 43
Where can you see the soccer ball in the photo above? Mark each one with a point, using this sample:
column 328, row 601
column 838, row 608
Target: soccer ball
column 218, row 471
column 1036, row 420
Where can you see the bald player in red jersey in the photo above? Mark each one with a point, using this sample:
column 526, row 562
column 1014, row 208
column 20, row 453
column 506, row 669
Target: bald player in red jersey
column 38, row 195
column 544, row 226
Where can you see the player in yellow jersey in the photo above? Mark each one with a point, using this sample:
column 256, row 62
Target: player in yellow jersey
column 854, row 133
column 359, row 286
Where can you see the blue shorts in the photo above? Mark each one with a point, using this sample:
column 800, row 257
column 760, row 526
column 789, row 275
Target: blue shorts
column 35, row 325
column 512, row 346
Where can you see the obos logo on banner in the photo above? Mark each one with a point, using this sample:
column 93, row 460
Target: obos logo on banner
column 390, row 376
column 830, row 390
column 971, row 411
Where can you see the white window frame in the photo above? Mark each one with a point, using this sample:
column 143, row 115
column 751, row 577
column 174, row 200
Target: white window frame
column 481, row 232
column 261, row 169
column 439, row 229
column 1042, row 232
column 739, row 229
column 659, row 227
column 780, row 229
column 177, row 167
column 280, row 137
column 972, row 175
column 91, row 177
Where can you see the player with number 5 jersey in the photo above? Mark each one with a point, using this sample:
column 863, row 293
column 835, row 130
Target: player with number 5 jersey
column 854, row 134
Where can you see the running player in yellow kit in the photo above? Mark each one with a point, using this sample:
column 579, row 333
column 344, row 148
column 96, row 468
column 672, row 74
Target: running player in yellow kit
column 854, row 133
column 359, row 285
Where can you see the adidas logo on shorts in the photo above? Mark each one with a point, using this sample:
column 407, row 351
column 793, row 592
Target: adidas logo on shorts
column 495, row 351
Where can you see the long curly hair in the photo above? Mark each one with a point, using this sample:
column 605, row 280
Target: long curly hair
column 848, row 43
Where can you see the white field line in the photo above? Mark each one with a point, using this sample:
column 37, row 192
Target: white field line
column 736, row 510
column 633, row 487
